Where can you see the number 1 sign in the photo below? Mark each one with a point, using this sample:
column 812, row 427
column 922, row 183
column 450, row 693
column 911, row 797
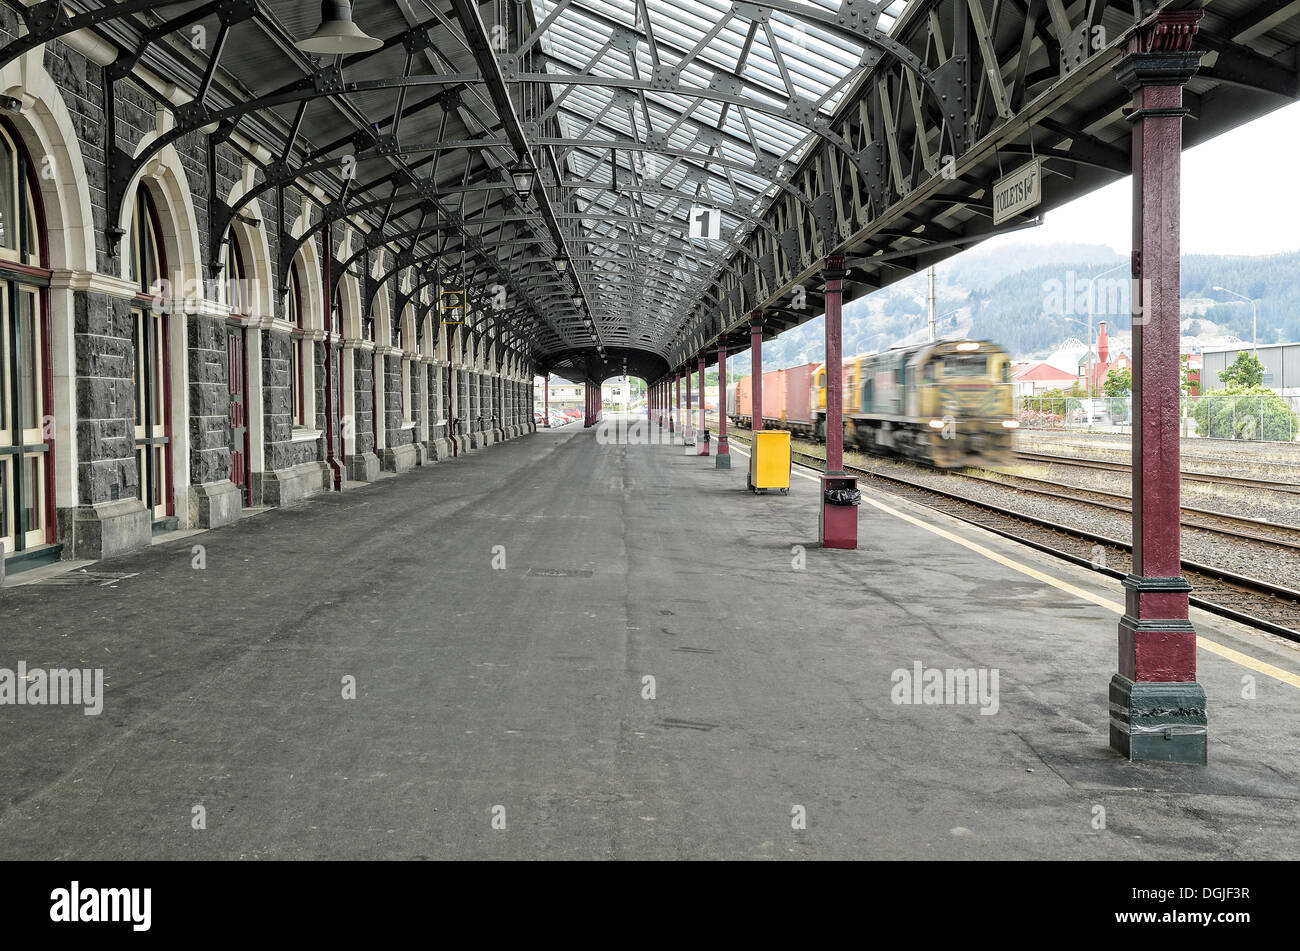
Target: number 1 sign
column 705, row 222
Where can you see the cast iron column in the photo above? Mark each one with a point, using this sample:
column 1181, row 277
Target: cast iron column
column 756, row 373
column 839, row 512
column 1157, row 709
column 834, row 275
column 724, row 452
column 676, row 411
column 700, row 438
column 686, row 369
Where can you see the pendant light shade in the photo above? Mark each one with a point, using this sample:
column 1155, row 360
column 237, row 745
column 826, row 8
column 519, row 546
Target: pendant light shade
column 522, row 175
column 337, row 33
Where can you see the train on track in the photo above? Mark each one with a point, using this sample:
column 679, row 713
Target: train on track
column 945, row 404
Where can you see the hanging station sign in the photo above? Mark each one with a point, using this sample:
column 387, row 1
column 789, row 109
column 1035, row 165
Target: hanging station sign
column 1017, row 192
column 705, row 222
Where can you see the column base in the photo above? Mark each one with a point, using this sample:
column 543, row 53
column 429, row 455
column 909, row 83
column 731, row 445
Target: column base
column 838, row 523
column 439, row 449
column 363, row 467
column 213, row 504
column 723, row 460
column 398, row 458
column 1158, row 722
column 105, row 529
column 286, row 486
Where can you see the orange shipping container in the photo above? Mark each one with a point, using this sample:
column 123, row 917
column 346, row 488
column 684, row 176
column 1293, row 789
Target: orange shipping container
column 774, row 395
column 743, row 405
column 797, row 389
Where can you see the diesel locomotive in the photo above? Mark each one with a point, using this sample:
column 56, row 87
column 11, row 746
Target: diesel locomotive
column 945, row 404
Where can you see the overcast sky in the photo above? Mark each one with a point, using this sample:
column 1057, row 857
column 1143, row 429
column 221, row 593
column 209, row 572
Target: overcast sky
column 1240, row 196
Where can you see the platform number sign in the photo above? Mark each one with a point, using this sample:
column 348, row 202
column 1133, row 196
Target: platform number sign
column 705, row 222
column 451, row 305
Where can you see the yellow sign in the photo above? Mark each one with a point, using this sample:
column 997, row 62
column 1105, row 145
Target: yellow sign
column 452, row 307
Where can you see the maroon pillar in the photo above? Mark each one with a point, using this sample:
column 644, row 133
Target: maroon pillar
column 676, row 412
column 756, row 372
column 1157, row 709
column 701, row 439
column 723, row 460
column 686, row 370
column 839, row 511
column 501, row 406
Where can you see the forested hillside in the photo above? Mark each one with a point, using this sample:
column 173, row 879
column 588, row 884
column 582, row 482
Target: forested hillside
column 1030, row 299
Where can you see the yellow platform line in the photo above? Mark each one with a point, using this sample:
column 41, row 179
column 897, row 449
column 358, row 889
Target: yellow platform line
column 1245, row 660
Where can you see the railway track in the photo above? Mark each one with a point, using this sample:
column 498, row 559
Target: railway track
column 1251, row 601
column 1187, row 475
column 1240, row 527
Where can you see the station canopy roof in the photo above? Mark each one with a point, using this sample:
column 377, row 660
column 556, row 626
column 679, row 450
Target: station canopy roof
column 783, row 130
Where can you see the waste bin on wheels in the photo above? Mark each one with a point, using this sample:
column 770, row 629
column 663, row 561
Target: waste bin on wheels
column 769, row 461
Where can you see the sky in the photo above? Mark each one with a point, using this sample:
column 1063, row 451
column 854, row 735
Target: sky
column 1240, row 196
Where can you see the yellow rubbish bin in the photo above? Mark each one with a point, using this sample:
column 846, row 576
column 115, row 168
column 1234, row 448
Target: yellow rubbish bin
column 769, row 462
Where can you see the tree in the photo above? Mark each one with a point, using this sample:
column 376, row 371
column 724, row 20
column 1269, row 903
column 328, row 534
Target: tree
column 1118, row 382
column 1246, row 372
column 1238, row 412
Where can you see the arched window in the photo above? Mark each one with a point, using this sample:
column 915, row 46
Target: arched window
column 238, row 291
column 146, row 265
column 26, row 413
column 297, row 372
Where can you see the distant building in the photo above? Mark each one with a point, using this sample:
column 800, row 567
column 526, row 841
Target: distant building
column 1101, row 363
column 1281, row 365
column 1034, row 379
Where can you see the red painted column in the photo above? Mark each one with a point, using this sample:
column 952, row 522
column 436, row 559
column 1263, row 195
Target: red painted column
column 756, row 372
column 686, row 370
column 834, row 276
column 723, row 460
column 676, row 411
column 839, row 521
column 546, row 401
column 1157, row 709
column 700, row 441
column 501, row 406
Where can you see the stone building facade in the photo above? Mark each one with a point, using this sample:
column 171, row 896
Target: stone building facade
column 155, row 392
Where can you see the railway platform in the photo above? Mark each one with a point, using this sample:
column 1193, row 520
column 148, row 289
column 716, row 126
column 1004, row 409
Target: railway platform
column 572, row 647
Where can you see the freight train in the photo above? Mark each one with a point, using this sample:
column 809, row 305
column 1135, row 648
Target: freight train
column 946, row 404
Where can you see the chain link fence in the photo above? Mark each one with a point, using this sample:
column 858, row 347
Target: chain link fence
column 1250, row 416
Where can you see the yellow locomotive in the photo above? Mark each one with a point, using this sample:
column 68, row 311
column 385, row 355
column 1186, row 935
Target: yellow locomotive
column 948, row 404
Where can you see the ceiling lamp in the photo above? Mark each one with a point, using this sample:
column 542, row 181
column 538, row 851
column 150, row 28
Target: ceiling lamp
column 522, row 175
column 561, row 263
column 577, row 303
column 337, row 33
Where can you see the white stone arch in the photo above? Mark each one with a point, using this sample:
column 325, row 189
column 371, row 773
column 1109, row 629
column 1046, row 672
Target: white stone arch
column 406, row 320
column 170, row 189
column 382, row 312
column 46, row 128
column 308, row 260
column 350, row 305
column 257, row 258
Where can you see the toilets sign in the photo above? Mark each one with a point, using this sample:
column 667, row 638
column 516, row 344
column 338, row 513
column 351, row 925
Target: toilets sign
column 1017, row 192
